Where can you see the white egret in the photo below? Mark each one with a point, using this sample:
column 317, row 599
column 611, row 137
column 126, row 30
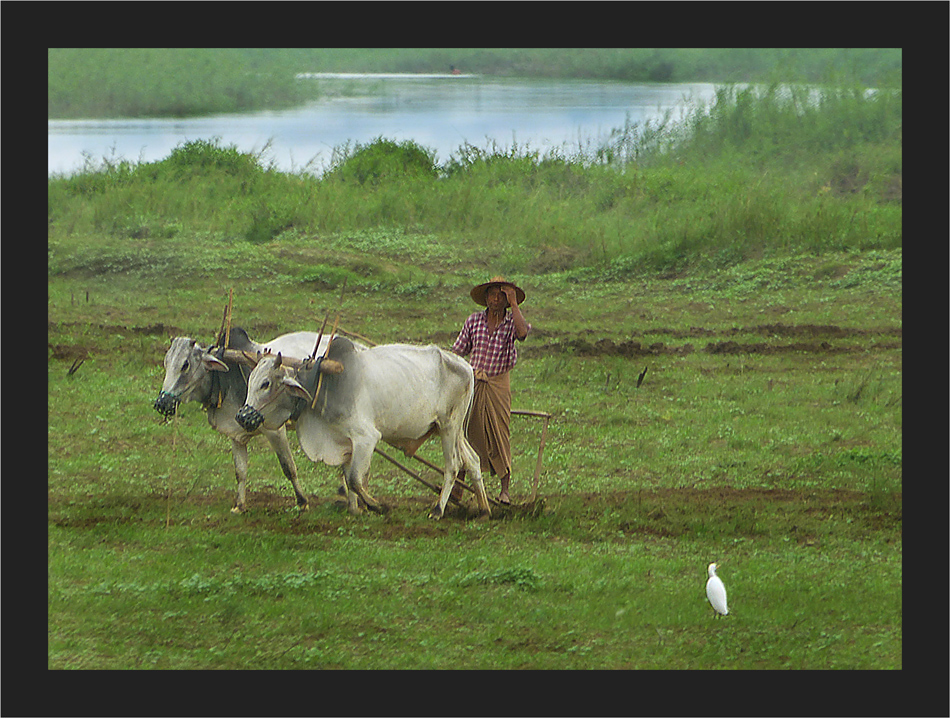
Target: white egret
column 716, row 591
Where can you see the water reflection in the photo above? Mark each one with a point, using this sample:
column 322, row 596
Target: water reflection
column 442, row 114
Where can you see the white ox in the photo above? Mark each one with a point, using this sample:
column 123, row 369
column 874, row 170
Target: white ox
column 192, row 373
column 395, row 392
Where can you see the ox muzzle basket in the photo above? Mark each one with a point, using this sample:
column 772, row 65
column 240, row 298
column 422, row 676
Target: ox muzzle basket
column 166, row 404
column 250, row 418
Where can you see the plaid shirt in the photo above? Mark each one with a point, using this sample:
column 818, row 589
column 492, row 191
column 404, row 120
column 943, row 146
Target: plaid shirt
column 491, row 353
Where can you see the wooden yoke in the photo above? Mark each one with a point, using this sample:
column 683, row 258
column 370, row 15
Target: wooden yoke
column 327, row 366
column 313, row 404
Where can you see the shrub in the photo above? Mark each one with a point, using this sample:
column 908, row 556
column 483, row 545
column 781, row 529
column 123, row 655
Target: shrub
column 208, row 156
column 381, row 160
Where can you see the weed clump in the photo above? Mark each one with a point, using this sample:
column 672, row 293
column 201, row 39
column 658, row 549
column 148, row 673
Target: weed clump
column 208, row 157
column 381, row 160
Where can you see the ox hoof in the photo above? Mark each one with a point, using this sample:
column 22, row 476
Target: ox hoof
column 237, row 510
column 303, row 506
column 484, row 515
column 435, row 514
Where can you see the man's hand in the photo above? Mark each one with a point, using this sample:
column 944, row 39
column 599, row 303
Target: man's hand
column 521, row 325
column 510, row 294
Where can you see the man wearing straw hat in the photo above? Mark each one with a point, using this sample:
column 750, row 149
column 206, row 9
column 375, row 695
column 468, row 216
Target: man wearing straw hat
column 488, row 339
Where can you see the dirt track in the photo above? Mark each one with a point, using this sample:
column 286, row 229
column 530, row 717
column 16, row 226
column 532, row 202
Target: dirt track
column 662, row 513
column 820, row 336
column 821, row 339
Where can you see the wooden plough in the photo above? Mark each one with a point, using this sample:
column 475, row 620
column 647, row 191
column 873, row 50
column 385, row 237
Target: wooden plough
column 437, row 488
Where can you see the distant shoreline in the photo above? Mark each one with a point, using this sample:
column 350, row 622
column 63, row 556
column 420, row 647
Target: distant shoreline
column 381, row 75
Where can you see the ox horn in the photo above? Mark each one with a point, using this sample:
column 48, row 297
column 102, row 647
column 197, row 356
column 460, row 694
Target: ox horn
column 331, row 366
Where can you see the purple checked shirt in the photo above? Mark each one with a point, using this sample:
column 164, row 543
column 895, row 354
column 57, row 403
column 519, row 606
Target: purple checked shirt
column 493, row 353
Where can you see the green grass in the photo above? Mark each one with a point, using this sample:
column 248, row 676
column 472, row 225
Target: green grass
column 766, row 435
column 197, row 598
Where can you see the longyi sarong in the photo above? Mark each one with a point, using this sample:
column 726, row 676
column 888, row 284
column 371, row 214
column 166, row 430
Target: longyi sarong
column 490, row 422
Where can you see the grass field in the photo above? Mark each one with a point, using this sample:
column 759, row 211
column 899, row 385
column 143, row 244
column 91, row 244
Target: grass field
column 766, row 435
column 772, row 446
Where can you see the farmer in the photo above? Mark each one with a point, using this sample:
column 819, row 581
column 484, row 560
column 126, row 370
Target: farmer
column 488, row 338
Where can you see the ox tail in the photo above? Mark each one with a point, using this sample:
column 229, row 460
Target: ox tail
column 467, row 454
column 471, row 405
column 463, row 448
column 452, row 364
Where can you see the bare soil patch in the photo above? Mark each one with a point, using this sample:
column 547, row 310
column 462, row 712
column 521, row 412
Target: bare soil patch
column 665, row 513
column 547, row 343
column 819, row 334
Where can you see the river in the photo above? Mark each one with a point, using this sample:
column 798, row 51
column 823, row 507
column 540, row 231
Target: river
column 442, row 113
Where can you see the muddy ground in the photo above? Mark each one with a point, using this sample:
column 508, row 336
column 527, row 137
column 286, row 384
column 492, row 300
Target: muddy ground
column 664, row 513
column 808, row 338
column 819, row 339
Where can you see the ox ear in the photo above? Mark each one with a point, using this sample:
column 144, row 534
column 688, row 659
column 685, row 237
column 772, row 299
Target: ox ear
column 212, row 363
column 296, row 388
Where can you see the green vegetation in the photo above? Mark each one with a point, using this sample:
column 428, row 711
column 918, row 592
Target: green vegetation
column 142, row 82
column 757, row 277
column 788, row 174
column 159, row 82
